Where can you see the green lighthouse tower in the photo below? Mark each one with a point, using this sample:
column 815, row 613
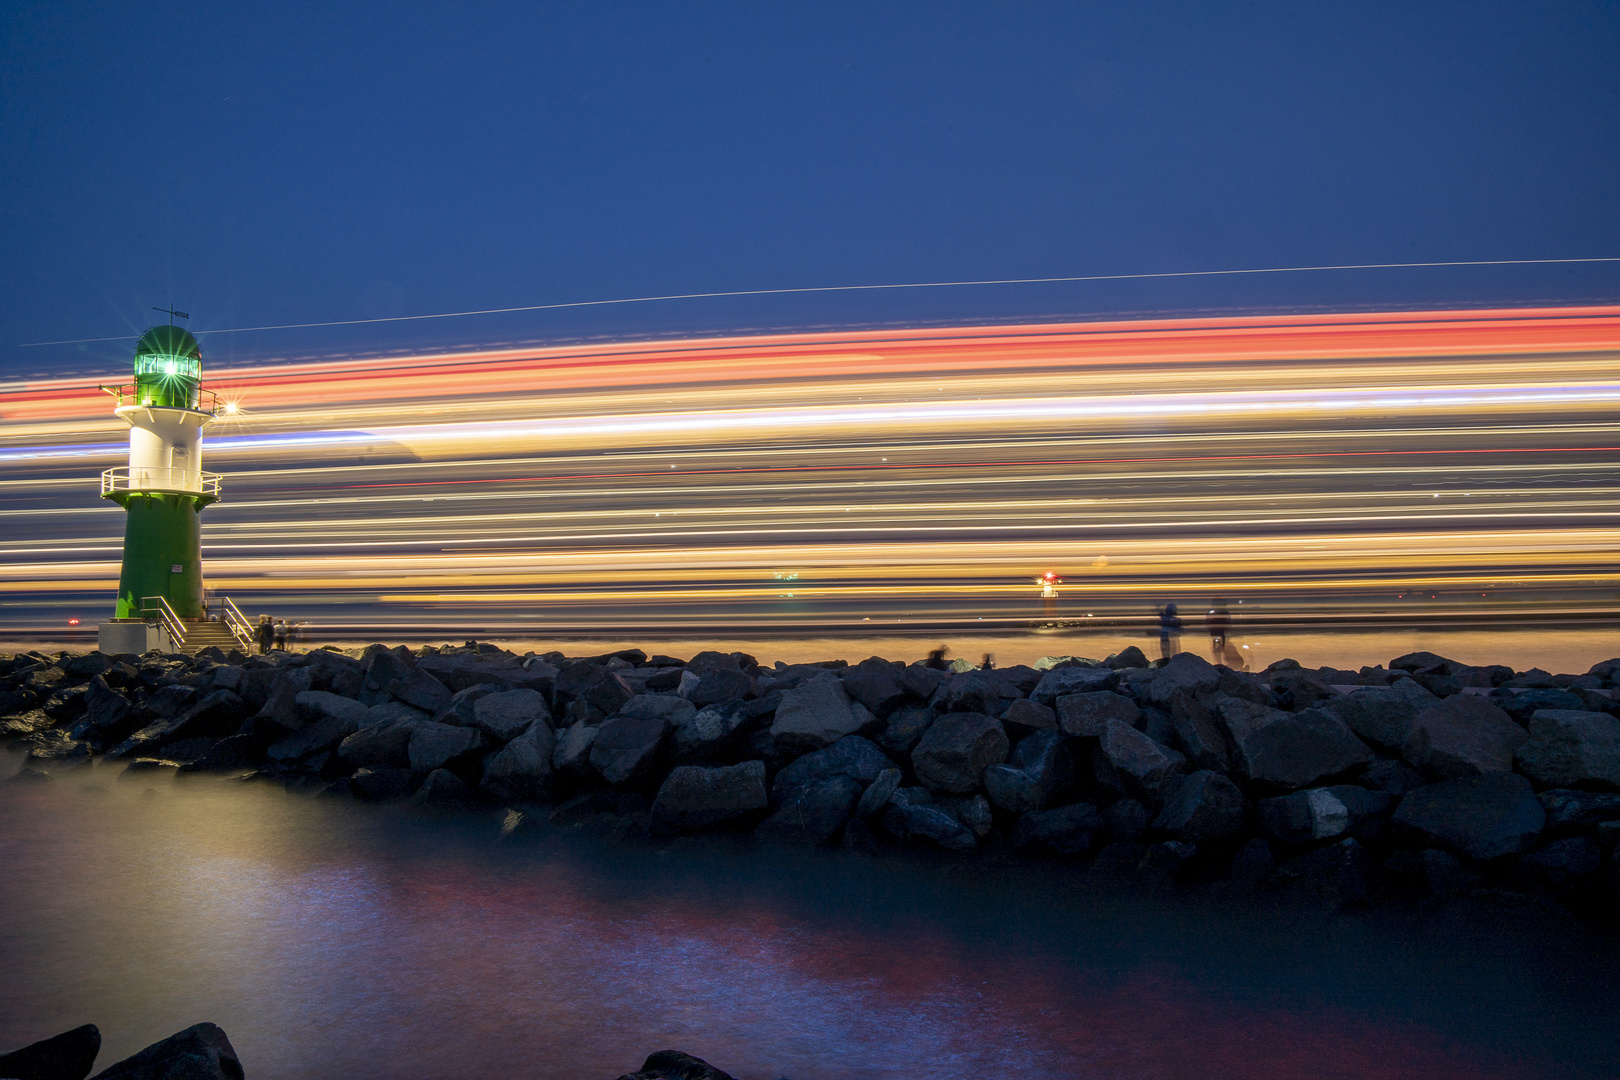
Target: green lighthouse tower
column 163, row 492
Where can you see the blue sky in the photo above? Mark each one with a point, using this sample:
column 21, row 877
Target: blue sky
column 286, row 163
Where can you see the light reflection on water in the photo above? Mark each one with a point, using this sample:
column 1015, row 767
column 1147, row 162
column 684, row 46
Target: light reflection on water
column 332, row 939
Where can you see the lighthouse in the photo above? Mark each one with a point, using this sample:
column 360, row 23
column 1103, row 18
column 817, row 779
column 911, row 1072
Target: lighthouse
column 163, row 492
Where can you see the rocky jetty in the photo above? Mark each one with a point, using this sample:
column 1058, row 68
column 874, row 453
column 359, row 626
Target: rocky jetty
column 1423, row 779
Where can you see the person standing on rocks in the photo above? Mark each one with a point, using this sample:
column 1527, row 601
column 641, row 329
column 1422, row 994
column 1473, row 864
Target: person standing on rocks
column 1169, row 631
column 266, row 634
column 281, row 635
column 1219, row 624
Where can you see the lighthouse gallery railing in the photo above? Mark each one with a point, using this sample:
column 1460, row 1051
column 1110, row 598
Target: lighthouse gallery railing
column 177, row 481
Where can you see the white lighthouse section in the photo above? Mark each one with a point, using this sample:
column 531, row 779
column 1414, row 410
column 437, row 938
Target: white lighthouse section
column 165, row 448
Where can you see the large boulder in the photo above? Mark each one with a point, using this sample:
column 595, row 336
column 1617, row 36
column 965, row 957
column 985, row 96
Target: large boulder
column 676, row 1065
column 1183, row 673
column 68, row 1056
column 956, row 750
column 878, row 793
column 506, row 715
column 1068, row 830
column 316, row 705
column 1382, row 715
column 1040, row 769
column 200, row 1052
column 433, row 746
column 816, row 713
column 1570, row 811
column 1522, row 706
column 875, row 683
column 1463, row 735
column 1322, row 813
column 522, row 769
column 931, row 823
column 382, row 667
column 989, row 691
column 1563, row 863
column 674, row 709
column 1200, row 736
column 107, row 714
column 852, row 756
column 904, row 729
column 1025, row 715
column 459, row 709
column 390, row 712
column 387, row 743
column 219, row 714
column 713, row 731
column 419, row 689
column 1572, row 748
column 1084, row 715
column 1287, row 751
column 626, row 749
column 814, row 813
column 1485, row 816
column 314, row 738
column 1129, row 762
column 695, row 797
column 1073, row 679
column 1204, row 807
column 595, row 685
column 722, row 685
column 572, row 757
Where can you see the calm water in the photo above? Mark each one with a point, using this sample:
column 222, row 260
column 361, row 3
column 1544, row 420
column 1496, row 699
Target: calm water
column 331, row 939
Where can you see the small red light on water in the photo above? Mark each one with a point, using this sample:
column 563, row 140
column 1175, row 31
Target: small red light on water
column 73, row 622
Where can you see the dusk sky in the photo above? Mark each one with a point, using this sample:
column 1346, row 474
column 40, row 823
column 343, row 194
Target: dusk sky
column 272, row 164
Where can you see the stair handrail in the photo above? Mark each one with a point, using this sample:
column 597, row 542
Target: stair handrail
column 236, row 623
column 157, row 609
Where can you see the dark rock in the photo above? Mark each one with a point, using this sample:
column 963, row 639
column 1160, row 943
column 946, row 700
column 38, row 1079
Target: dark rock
column 929, row 823
column 1129, row 762
column 1521, row 706
column 712, row 732
column 1025, row 715
column 875, row 683
column 1462, row 736
column 1422, row 662
column 444, row 788
column 420, row 690
column 506, row 715
column 1184, row 673
column 1323, row 813
column 1253, row 862
column 983, row 691
column 572, row 757
column 694, row 797
column 1200, row 737
column 280, row 716
column 1127, row 819
column 68, row 1056
column 1085, row 715
column 1288, row 751
column 1607, row 670
column 878, row 793
column 626, row 750
column 1074, row 679
column 956, row 750
column 388, row 743
column 922, row 682
column 382, row 667
column 1577, row 811
column 1068, row 830
column 1128, row 657
column 1572, row 748
column 200, row 1052
column 391, row 712
column 232, row 752
column 1168, row 863
column 1337, row 872
column 719, row 686
column 313, row 738
column 1040, row 769
column 852, row 757
column 459, row 710
column 1204, row 807
column 522, row 769
column 434, row 746
column 593, row 684
column 904, row 730
column 674, row 709
column 1482, row 817
column 316, row 705
column 220, row 713
column 1392, row 777
column 382, row 782
column 56, row 750
column 1382, row 716
column 676, row 1065
column 817, row 713
column 814, row 813
column 1563, row 863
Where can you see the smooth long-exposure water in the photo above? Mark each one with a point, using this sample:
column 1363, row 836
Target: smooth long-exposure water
column 331, row 939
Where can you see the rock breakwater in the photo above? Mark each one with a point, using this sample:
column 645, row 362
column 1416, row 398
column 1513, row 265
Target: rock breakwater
column 1422, row 779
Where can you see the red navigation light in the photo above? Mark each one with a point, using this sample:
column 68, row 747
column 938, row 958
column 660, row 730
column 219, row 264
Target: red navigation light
column 73, row 622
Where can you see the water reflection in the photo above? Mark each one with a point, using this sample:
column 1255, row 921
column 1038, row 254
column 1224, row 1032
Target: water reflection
column 332, row 939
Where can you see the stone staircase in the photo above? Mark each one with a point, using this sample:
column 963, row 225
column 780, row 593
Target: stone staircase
column 203, row 633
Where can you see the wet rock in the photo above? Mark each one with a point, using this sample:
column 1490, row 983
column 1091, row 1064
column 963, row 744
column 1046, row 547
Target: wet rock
column 1068, row 830
column 1572, row 748
column 875, row 683
column 232, row 752
column 626, row 750
column 1563, row 863
column 1127, row 819
column 905, row 729
column 522, row 769
column 695, row 797
column 878, row 793
column 1200, row 737
column 68, row 1056
column 1482, row 817
column 219, row 714
column 1040, row 769
column 1287, row 751
column 1024, row 716
column 1337, row 872
column 572, row 757
column 1462, row 736
column 929, row 823
column 676, row 1065
column 1205, row 807
column 814, row 813
column 1382, row 716
column 1085, row 715
column 380, row 783
column 387, row 743
column 816, row 713
column 200, row 1052
column 1184, row 673
column 506, row 715
column 433, row 746
column 1577, row 811
column 313, row 738
column 1075, row 679
column 444, row 788
column 1129, row 762
column 108, row 717
column 956, row 750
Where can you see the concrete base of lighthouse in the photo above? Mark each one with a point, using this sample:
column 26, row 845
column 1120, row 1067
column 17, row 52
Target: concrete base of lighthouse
column 132, row 636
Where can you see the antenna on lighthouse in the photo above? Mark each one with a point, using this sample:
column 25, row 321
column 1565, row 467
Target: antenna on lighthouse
column 173, row 314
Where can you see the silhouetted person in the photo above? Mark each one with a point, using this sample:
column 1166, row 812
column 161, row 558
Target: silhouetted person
column 989, row 662
column 1219, row 624
column 936, row 659
column 266, row 634
column 1169, row 631
column 281, row 635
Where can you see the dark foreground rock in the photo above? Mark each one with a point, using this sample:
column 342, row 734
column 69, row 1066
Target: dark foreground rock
column 1424, row 779
column 68, row 1056
column 676, row 1065
column 200, row 1052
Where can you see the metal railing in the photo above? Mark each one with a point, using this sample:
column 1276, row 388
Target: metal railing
column 236, row 623
column 179, row 481
column 156, row 609
column 207, row 400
